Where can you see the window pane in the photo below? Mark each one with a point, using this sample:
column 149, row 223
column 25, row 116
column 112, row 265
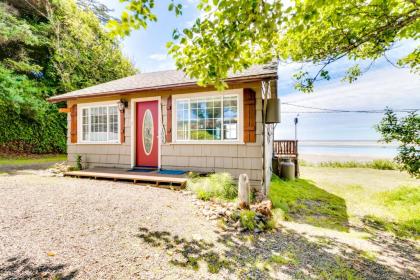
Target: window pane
column 85, row 124
column 182, row 114
column 230, row 130
column 113, row 123
column 98, row 123
column 230, row 117
column 207, row 118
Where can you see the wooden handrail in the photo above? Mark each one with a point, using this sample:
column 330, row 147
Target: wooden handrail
column 285, row 147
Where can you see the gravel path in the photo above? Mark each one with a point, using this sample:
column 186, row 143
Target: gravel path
column 66, row 228
column 91, row 229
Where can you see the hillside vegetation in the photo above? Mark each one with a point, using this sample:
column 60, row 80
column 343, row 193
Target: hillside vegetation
column 49, row 47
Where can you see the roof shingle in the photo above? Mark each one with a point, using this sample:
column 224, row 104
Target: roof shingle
column 160, row 80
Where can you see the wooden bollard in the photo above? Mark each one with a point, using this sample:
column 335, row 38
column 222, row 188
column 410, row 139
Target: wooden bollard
column 244, row 190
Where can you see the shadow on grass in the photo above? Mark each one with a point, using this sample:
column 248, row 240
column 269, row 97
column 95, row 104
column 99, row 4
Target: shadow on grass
column 273, row 255
column 302, row 201
column 409, row 228
column 24, row 268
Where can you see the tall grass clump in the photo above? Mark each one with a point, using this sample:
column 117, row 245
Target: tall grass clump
column 217, row 185
column 381, row 164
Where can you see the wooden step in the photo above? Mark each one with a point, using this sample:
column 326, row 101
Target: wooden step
column 152, row 179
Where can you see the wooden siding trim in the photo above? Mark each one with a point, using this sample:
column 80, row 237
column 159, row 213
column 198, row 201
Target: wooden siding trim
column 168, row 136
column 64, row 110
column 122, row 126
column 73, row 124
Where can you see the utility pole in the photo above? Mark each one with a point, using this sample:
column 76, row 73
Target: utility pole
column 296, row 123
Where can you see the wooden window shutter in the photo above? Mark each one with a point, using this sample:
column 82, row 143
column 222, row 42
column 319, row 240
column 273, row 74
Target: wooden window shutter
column 122, row 126
column 169, row 120
column 73, row 124
column 249, row 116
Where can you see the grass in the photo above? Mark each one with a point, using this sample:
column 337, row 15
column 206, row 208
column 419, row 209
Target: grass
column 381, row 164
column 302, row 201
column 339, row 270
column 404, row 203
column 30, row 159
column 285, row 258
column 383, row 199
column 369, row 255
column 217, row 185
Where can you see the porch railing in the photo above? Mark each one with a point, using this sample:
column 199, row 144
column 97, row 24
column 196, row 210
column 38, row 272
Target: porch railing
column 283, row 148
column 286, row 149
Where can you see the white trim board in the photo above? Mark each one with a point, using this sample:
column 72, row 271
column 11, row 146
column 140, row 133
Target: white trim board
column 236, row 92
column 80, row 107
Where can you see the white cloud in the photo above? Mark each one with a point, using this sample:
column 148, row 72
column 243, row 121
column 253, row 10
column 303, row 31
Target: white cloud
column 159, row 56
column 395, row 88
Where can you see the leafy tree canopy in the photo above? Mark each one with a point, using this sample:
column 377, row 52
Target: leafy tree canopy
column 405, row 131
column 232, row 35
column 49, row 47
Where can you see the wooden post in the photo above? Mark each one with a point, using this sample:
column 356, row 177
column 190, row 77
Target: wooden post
column 244, row 190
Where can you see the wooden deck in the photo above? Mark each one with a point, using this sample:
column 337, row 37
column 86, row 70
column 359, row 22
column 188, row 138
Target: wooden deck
column 152, row 178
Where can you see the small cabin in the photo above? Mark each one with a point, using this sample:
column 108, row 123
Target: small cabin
column 164, row 120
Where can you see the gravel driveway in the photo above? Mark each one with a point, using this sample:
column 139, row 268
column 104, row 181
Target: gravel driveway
column 91, row 229
column 66, row 228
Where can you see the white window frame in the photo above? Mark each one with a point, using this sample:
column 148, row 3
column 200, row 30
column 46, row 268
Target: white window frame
column 227, row 93
column 89, row 106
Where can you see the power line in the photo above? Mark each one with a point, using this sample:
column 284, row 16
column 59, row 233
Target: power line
column 329, row 111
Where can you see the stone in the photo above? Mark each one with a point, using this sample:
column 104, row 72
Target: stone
column 242, row 229
column 264, row 208
column 221, row 212
column 237, row 224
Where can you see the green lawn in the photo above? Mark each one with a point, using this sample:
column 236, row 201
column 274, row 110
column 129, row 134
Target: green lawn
column 31, row 159
column 336, row 197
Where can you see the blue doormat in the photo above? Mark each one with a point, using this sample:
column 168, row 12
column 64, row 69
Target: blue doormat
column 171, row 172
column 141, row 170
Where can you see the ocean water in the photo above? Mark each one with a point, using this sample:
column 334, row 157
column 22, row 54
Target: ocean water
column 348, row 148
column 362, row 151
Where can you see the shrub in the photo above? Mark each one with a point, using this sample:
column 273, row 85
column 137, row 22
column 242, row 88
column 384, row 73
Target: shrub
column 217, row 185
column 79, row 162
column 247, row 219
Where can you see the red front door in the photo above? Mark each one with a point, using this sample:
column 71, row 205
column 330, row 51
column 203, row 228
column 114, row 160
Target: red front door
column 147, row 148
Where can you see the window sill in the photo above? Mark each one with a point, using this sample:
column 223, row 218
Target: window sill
column 206, row 143
column 98, row 143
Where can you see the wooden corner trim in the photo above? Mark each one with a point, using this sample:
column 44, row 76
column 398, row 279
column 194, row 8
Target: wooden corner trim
column 64, row 110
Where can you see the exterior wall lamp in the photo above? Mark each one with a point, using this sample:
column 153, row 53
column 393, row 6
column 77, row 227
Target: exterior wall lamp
column 122, row 104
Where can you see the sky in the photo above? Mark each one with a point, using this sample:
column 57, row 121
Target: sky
column 380, row 87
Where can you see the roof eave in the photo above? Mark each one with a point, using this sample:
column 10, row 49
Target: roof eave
column 249, row 79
